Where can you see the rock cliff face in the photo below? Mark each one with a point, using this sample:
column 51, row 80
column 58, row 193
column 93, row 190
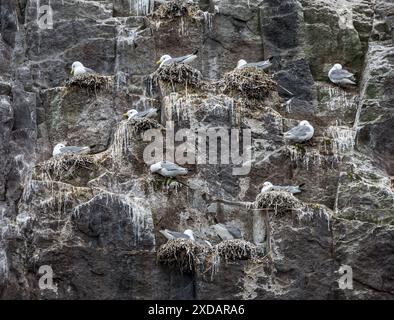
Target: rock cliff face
column 95, row 220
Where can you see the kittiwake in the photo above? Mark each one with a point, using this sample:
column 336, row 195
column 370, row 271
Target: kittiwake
column 268, row 186
column 167, row 59
column 262, row 65
column 340, row 76
column 168, row 169
column 78, row 68
column 150, row 113
column 61, row 149
column 301, row 133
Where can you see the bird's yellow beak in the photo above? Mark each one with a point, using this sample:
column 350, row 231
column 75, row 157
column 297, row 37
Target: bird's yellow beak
column 72, row 71
column 125, row 115
column 158, row 62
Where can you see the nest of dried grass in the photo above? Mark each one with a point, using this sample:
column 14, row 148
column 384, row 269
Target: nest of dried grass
column 142, row 124
column 65, row 167
column 278, row 200
column 175, row 73
column 182, row 254
column 90, row 81
column 249, row 82
column 176, row 8
column 236, row 249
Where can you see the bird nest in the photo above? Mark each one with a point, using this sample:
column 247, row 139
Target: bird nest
column 249, row 82
column 176, row 8
column 90, row 81
column 142, row 124
column 65, row 166
column 277, row 200
column 182, row 254
column 236, row 249
column 178, row 74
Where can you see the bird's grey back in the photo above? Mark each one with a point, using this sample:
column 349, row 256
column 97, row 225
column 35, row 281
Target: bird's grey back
column 73, row 149
column 298, row 131
column 171, row 166
column 262, row 65
column 341, row 74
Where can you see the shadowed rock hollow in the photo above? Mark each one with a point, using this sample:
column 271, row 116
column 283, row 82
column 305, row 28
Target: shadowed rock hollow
column 95, row 219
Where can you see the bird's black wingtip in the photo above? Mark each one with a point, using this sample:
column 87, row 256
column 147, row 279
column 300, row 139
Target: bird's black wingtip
column 195, row 52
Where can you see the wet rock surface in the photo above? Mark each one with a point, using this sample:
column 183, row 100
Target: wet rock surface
column 96, row 220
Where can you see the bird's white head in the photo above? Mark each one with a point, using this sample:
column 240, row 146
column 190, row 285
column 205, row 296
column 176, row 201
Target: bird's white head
column 337, row 66
column 155, row 167
column 76, row 65
column 267, row 186
column 241, row 63
column 304, row 123
column 189, row 233
column 131, row 113
column 164, row 58
column 57, row 148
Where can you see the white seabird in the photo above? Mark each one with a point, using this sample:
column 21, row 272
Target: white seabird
column 268, row 186
column 301, row 133
column 167, row 59
column 171, row 235
column 187, row 235
column 227, row 232
column 168, row 169
column 340, row 76
column 78, row 68
column 262, row 65
column 150, row 113
column 61, row 149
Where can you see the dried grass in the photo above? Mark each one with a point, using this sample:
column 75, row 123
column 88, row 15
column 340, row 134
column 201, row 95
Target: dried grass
column 178, row 74
column 175, row 9
column 182, row 254
column 190, row 256
column 90, row 81
column 236, row 249
column 248, row 82
column 65, row 166
column 280, row 201
column 142, row 124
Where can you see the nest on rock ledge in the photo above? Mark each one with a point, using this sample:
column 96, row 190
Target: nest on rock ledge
column 90, row 81
column 176, row 8
column 249, row 82
column 280, row 201
column 66, row 166
column 175, row 73
column 183, row 254
column 236, row 249
column 142, row 124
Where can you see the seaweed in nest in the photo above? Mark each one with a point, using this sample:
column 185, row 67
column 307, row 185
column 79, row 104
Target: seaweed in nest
column 178, row 74
column 176, row 8
column 249, row 82
column 279, row 200
column 236, row 249
column 89, row 81
column 65, row 166
column 182, row 254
